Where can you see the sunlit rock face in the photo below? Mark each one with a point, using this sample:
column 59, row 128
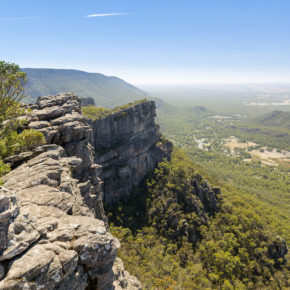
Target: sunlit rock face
column 51, row 238
column 128, row 145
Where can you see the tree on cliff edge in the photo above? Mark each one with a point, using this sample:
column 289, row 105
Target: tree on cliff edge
column 12, row 81
column 14, row 139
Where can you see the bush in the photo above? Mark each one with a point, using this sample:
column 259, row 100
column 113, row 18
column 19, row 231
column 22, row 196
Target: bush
column 4, row 169
column 96, row 113
column 30, row 139
column 12, row 81
column 14, row 143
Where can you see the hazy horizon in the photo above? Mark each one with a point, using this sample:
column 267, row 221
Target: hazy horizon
column 169, row 84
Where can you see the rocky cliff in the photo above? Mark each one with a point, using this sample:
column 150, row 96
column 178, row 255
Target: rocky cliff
column 52, row 229
column 85, row 102
column 128, row 144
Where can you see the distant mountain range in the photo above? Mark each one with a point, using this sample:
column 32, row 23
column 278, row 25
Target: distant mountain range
column 107, row 91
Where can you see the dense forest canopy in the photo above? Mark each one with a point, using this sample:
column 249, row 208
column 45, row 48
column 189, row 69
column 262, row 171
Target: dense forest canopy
column 232, row 247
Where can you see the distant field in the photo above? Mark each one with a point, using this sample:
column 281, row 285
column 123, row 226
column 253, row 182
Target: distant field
column 226, row 99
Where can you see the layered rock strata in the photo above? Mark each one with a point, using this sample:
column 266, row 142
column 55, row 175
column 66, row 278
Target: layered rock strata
column 51, row 215
column 128, row 144
column 59, row 118
column 49, row 237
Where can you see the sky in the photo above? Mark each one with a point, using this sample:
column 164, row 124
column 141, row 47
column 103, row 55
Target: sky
column 152, row 41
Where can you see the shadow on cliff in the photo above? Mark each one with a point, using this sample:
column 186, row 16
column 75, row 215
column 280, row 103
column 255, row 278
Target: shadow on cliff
column 130, row 211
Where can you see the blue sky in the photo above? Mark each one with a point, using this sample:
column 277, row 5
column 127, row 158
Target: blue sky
column 184, row 41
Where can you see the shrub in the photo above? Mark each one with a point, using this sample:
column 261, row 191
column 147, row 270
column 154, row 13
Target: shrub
column 96, row 113
column 30, row 139
column 4, row 169
column 12, row 81
column 14, row 143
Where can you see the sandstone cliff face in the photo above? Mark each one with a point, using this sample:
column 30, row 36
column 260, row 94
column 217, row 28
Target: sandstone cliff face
column 128, row 144
column 51, row 215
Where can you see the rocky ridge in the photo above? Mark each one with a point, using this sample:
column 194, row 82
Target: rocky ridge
column 52, row 223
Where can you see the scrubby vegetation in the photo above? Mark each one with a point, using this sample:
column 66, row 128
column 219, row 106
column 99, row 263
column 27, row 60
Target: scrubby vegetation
column 13, row 139
column 12, row 81
column 95, row 113
column 14, row 143
column 231, row 251
column 4, row 169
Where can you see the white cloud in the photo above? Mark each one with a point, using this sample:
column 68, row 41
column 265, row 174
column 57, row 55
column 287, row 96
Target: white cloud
column 19, row 18
column 106, row 14
column 253, row 54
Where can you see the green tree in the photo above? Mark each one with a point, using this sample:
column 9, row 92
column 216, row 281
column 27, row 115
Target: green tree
column 12, row 81
column 13, row 139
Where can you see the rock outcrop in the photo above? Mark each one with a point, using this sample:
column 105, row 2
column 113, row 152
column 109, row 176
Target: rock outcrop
column 85, row 102
column 51, row 239
column 52, row 224
column 128, row 144
column 59, row 118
